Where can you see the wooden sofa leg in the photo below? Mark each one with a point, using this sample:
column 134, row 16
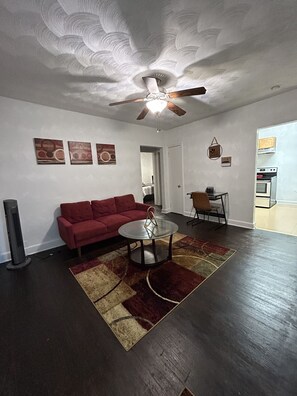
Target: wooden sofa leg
column 79, row 251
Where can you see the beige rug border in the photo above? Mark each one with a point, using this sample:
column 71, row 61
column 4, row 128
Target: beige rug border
column 128, row 349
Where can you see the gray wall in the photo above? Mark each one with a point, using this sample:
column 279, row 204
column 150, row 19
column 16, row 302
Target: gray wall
column 39, row 189
column 236, row 131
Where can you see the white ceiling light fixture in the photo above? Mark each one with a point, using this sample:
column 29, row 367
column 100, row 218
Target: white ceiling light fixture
column 156, row 105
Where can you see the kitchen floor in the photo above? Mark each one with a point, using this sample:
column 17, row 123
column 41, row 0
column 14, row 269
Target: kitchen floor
column 279, row 218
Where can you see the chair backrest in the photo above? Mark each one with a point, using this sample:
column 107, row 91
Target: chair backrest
column 201, row 201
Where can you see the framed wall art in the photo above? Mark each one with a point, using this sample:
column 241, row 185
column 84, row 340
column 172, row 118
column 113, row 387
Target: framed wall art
column 225, row 161
column 215, row 150
column 106, row 154
column 80, row 153
column 49, row 151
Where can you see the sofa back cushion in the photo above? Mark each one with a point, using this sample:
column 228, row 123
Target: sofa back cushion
column 104, row 207
column 77, row 211
column 125, row 202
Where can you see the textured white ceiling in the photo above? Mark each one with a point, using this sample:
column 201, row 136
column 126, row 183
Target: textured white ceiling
column 83, row 54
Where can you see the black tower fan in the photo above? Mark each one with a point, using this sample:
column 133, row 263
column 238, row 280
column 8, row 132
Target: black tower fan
column 14, row 231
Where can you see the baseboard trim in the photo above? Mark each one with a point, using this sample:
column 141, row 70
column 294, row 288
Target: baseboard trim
column 165, row 211
column 236, row 223
column 286, row 202
column 5, row 256
column 189, row 214
column 242, row 224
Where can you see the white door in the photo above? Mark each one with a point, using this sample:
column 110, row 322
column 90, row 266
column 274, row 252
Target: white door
column 175, row 179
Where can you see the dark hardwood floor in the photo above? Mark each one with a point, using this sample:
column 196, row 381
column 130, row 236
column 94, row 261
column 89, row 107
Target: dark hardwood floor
column 235, row 335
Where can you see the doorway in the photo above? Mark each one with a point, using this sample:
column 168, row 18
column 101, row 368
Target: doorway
column 176, row 185
column 281, row 155
column 151, row 176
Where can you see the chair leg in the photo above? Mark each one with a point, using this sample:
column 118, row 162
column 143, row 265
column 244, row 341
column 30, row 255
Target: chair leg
column 197, row 220
column 193, row 220
column 79, row 251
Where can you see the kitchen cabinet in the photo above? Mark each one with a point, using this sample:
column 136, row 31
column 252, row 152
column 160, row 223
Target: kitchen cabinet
column 267, row 145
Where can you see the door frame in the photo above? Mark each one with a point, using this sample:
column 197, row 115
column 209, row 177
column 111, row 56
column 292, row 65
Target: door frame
column 158, row 176
column 182, row 176
column 160, row 150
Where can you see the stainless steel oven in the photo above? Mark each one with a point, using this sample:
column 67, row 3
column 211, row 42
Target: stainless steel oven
column 266, row 187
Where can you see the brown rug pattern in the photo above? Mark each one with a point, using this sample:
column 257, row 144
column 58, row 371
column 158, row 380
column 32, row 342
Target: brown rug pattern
column 131, row 299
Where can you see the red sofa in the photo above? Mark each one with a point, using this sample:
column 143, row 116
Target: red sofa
column 82, row 223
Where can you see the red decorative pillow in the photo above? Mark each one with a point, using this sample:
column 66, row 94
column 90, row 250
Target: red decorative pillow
column 77, row 211
column 104, row 207
column 125, row 202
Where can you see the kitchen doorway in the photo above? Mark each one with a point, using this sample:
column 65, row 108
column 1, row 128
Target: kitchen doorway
column 276, row 191
column 151, row 176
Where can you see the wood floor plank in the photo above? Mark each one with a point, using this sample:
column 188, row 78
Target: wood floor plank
column 235, row 335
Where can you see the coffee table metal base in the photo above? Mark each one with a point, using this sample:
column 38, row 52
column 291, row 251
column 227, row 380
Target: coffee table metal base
column 150, row 255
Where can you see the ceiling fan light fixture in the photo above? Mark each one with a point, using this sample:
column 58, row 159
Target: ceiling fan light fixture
column 156, row 105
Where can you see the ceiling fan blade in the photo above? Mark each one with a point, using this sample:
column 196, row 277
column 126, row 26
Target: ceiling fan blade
column 127, row 101
column 151, row 84
column 177, row 110
column 143, row 114
column 187, row 92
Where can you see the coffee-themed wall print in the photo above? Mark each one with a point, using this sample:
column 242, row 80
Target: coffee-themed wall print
column 49, row 151
column 106, row 154
column 215, row 150
column 80, row 153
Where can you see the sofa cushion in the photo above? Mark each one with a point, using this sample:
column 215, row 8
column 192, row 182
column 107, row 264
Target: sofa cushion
column 104, row 207
column 77, row 211
column 125, row 202
column 114, row 221
column 134, row 214
column 88, row 229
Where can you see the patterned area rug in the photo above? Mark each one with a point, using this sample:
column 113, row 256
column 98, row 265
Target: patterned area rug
column 133, row 300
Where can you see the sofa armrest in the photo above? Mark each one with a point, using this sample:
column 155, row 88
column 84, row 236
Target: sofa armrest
column 141, row 206
column 66, row 232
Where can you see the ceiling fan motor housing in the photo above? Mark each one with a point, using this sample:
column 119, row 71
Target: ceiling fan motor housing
column 156, row 96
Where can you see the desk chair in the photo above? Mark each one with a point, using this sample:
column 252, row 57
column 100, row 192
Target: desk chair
column 202, row 205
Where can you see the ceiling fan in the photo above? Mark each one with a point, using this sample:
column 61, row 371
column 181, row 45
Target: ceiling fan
column 157, row 100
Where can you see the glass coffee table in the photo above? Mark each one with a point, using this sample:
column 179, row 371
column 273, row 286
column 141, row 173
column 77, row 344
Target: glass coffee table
column 153, row 253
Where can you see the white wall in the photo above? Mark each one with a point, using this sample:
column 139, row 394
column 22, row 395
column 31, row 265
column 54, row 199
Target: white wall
column 39, row 189
column 147, row 167
column 285, row 158
column 236, row 131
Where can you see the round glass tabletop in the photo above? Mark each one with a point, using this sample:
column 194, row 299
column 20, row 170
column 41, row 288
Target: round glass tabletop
column 136, row 230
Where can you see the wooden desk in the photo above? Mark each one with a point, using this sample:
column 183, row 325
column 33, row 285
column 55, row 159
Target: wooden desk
column 215, row 197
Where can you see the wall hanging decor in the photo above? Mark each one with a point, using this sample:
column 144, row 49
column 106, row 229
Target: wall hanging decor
column 49, row 151
column 226, row 161
column 106, row 154
column 80, row 153
column 215, row 150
